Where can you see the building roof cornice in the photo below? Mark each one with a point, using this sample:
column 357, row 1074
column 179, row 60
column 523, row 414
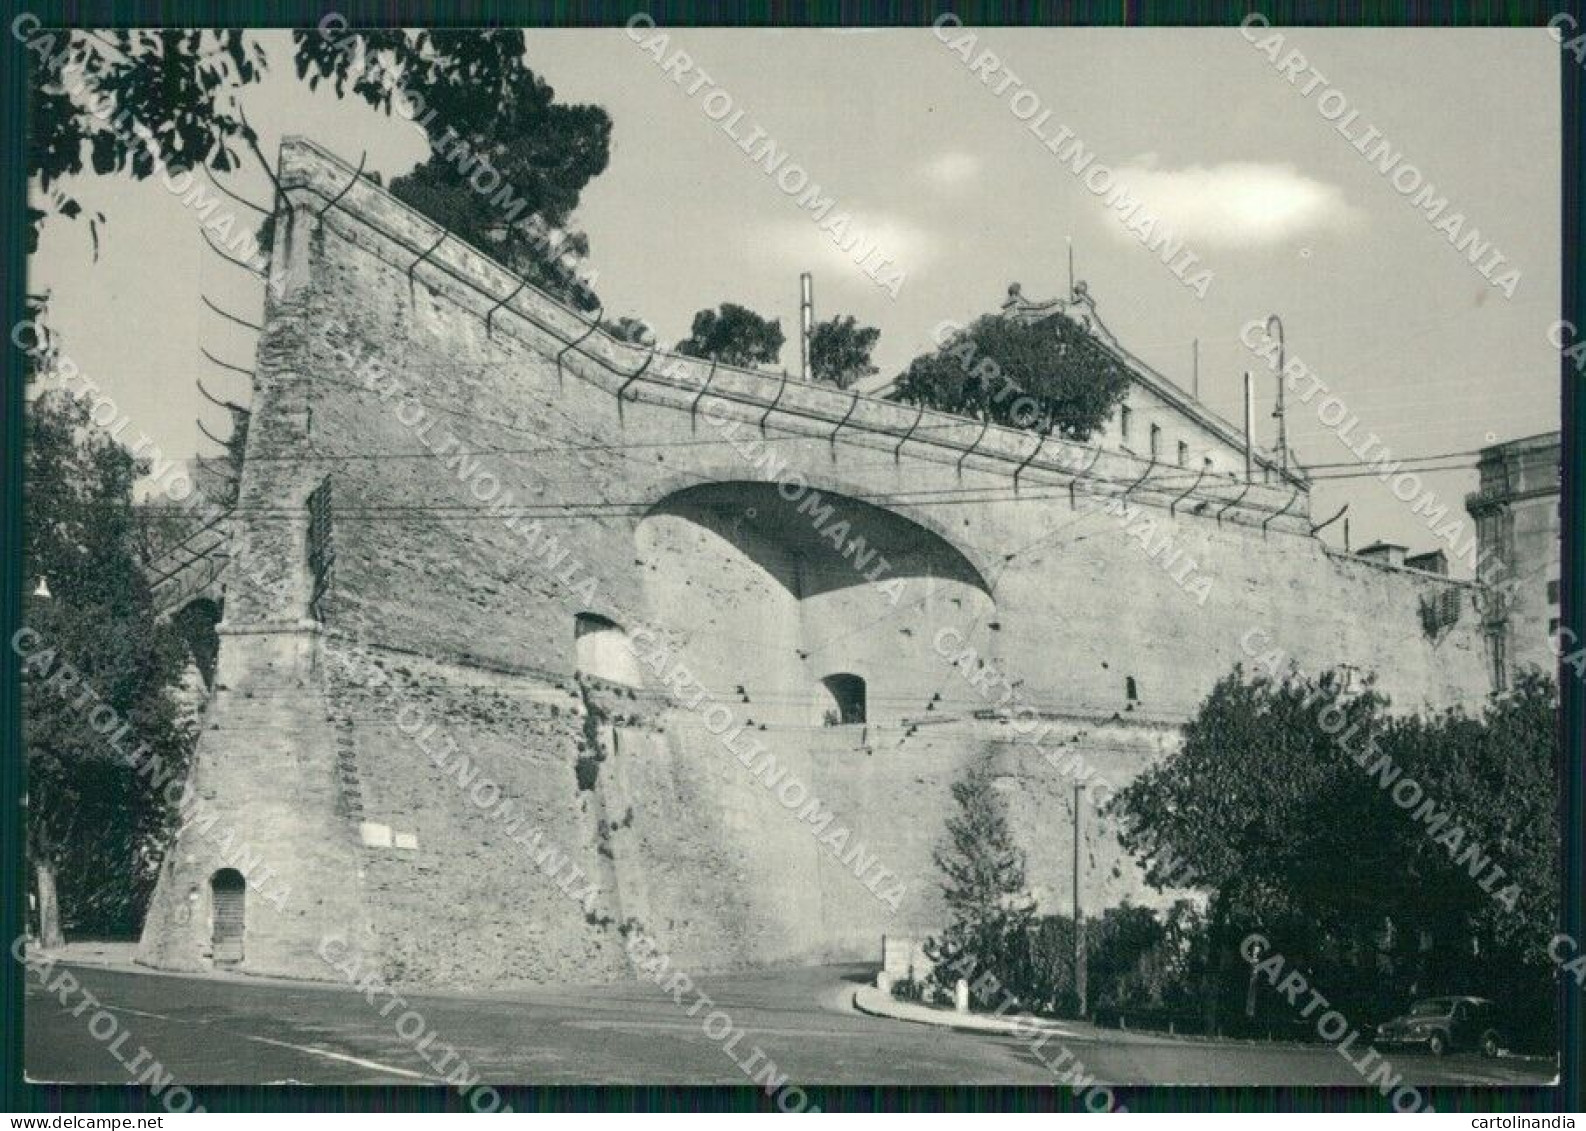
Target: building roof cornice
column 1081, row 307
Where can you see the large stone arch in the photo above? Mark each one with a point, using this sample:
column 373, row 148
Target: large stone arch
column 827, row 477
column 771, row 592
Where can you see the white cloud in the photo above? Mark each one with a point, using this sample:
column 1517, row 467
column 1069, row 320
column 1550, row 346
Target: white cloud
column 1237, row 204
column 808, row 244
column 952, row 169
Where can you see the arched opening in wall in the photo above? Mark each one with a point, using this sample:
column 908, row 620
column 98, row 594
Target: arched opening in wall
column 768, row 592
column 846, row 699
column 229, row 900
column 195, row 623
column 601, row 649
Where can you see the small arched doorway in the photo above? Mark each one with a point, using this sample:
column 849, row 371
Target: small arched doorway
column 845, row 699
column 228, row 892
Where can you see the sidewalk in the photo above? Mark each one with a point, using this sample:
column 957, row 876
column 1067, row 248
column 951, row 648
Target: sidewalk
column 121, row 957
column 880, row 1003
column 1024, row 1026
column 113, row 955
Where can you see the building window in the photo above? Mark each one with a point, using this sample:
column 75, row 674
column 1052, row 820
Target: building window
column 1183, row 453
column 1552, row 627
column 1552, row 592
column 1156, row 441
column 1131, row 690
column 321, row 547
column 1123, row 421
column 846, row 699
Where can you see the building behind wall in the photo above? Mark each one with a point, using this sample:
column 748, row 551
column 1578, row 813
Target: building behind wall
column 1157, row 420
column 1516, row 508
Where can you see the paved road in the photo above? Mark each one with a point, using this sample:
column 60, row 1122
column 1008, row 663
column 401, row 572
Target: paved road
column 208, row 1030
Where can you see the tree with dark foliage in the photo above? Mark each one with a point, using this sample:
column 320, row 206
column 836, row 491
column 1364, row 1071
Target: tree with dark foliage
column 733, row 335
column 130, row 101
column 507, row 162
column 840, row 351
column 545, row 153
column 983, row 885
column 95, row 827
column 628, row 329
column 1047, row 376
column 1387, row 856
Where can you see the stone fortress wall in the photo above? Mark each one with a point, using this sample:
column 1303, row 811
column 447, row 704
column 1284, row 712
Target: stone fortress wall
column 523, row 512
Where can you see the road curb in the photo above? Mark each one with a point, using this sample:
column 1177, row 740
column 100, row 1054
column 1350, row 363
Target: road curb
column 877, row 1003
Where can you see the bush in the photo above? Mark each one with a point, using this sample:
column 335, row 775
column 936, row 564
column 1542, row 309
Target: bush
column 1042, row 977
column 1138, row 961
column 995, row 948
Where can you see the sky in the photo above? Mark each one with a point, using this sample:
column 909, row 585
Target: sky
column 1284, row 212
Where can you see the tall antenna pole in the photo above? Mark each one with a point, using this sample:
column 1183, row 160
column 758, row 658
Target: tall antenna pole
column 806, row 323
column 1195, row 362
column 1250, row 427
column 1283, row 424
column 1070, row 241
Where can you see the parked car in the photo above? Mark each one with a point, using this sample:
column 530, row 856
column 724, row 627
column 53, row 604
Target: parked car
column 1442, row 1024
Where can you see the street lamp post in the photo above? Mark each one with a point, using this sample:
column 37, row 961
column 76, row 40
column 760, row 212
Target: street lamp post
column 1276, row 323
column 1079, row 918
